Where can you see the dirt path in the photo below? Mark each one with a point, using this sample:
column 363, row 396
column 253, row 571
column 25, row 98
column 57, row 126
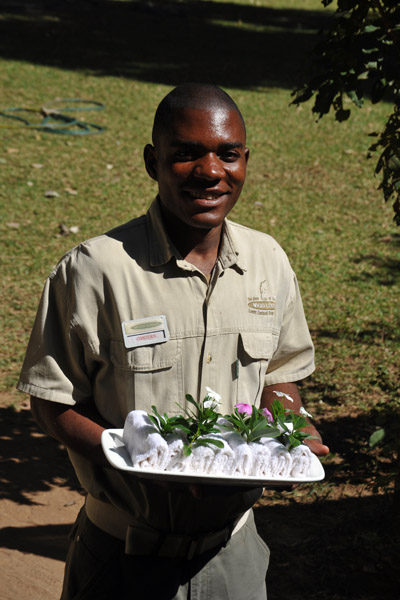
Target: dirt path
column 33, row 539
column 39, row 500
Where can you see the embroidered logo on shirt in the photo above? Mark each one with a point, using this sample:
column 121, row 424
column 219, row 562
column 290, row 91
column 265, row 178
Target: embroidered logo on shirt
column 265, row 303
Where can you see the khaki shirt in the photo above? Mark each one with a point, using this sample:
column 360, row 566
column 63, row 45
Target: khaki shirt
column 243, row 329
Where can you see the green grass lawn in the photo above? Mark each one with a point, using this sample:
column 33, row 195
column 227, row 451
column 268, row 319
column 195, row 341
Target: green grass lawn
column 309, row 184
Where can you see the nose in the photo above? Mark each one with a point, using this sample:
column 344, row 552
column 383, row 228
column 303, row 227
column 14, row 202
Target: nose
column 209, row 167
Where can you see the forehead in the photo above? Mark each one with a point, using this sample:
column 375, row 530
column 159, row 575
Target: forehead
column 205, row 126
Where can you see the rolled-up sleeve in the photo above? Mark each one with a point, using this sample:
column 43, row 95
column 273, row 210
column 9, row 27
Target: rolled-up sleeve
column 293, row 358
column 55, row 364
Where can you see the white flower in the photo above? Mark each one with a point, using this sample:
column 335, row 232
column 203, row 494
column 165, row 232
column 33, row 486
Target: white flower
column 304, row 412
column 289, row 427
column 283, row 395
column 212, row 400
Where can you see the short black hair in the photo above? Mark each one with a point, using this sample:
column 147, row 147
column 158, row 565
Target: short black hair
column 191, row 95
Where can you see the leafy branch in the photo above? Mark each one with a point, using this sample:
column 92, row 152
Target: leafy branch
column 359, row 58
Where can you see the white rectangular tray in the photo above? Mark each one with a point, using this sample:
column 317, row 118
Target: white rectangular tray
column 117, row 455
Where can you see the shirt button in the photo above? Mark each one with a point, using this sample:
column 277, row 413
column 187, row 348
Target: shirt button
column 209, row 357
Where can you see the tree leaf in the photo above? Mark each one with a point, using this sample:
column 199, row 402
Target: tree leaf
column 376, row 437
column 371, row 28
column 342, row 114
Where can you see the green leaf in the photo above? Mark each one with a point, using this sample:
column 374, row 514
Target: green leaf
column 369, row 50
column 354, row 97
column 271, row 432
column 205, row 441
column 342, row 115
column 155, row 411
column 376, row 437
column 183, row 428
column 293, row 441
column 370, row 28
column 191, row 400
column 154, row 421
column 378, row 90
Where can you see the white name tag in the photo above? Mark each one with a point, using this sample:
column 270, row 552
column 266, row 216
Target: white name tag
column 141, row 332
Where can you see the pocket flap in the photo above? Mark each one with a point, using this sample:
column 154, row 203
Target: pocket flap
column 145, row 358
column 257, row 345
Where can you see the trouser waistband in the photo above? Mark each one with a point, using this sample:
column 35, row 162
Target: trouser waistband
column 141, row 540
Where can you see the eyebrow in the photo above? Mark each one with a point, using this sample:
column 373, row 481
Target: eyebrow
column 194, row 144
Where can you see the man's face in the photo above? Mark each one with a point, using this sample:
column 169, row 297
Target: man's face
column 200, row 166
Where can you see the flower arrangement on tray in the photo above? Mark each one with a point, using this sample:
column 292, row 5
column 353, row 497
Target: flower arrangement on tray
column 250, row 441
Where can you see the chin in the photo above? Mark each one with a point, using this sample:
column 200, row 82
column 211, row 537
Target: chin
column 202, row 222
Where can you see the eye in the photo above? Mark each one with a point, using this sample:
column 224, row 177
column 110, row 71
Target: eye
column 230, row 156
column 184, row 155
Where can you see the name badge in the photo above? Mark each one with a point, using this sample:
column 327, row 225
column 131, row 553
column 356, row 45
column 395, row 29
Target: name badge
column 141, row 332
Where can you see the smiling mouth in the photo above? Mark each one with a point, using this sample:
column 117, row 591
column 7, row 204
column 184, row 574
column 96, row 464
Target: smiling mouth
column 205, row 195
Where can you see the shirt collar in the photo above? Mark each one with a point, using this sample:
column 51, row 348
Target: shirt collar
column 162, row 249
column 229, row 254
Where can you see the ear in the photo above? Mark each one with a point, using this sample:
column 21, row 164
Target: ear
column 150, row 161
column 246, row 154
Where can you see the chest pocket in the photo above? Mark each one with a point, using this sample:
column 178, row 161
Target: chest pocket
column 149, row 374
column 254, row 353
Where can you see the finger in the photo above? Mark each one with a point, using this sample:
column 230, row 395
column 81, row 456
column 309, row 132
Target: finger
column 317, row 447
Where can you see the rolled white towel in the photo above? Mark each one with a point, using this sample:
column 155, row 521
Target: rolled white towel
column 244, row 458
column 243, row 462
column 261, row 466
column 147, row 448
column 224, row 458
column 281, row 461
column 176, row 456
column 301, row 461
column 200, row 460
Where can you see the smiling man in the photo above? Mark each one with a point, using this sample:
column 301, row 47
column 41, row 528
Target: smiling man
column 230, row 318
column 199, row 162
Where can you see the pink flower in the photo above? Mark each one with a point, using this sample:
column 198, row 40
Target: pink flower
column 244, row 408
column 267, row 414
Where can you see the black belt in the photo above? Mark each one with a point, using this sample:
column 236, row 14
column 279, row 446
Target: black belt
column 149, row 542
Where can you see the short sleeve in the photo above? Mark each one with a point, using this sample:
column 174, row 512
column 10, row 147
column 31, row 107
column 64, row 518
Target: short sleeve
column 293, row 358
column 55, row 366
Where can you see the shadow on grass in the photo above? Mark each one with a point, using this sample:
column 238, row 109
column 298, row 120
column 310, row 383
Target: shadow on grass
column 163, row 41
column 354, row 462
column 382, row 269
column 372, row 332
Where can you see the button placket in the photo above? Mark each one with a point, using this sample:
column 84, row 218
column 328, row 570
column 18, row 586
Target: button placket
column 207, row 376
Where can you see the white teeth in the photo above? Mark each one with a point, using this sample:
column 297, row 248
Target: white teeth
column 203, row 196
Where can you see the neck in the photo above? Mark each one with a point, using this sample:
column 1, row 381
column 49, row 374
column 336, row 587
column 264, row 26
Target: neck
column 196, row 245
column 204, row 254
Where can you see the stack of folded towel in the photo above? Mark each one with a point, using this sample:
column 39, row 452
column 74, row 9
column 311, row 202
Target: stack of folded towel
column 266, row 458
